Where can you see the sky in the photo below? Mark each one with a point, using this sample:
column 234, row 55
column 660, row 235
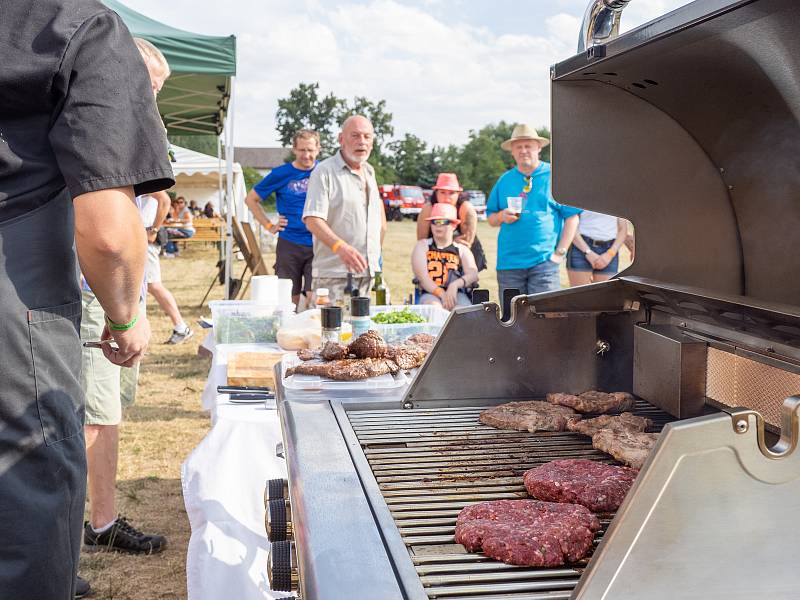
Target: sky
column 444, row 67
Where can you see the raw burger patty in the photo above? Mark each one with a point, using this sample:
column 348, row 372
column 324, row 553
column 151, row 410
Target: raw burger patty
column 527, row 532
column 595, row 485
column 624, row 422
column 528, row 416
column 594, row 401
column 627, row 447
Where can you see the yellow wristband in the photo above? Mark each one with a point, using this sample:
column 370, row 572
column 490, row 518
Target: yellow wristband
column 611, row 252
column 336, row 245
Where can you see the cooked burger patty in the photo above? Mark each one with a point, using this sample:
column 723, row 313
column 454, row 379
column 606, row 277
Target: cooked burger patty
column 368, row 345
column 624, row 422
column 631, row 448
column 595, row 485
column 527, row 532
column 594, row 401
column 528, row 416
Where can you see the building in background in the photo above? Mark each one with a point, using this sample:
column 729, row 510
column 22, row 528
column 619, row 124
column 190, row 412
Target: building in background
column 262, row 160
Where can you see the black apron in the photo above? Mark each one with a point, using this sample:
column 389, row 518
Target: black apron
column 42, row 453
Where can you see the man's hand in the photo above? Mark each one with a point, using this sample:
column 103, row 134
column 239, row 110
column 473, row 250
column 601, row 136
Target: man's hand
column 508, row 216
column 351, row 258
column 556, row 258
column 131, row 343
column 450, row 296
column 152, row 234
column 279, row 226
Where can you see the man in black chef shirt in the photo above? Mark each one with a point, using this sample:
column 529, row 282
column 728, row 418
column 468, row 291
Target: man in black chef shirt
column 79, row 136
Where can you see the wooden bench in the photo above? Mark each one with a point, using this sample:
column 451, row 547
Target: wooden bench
column 205, row 230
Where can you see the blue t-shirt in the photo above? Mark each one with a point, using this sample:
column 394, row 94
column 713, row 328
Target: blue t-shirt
column 289, row 184
column 533, row 238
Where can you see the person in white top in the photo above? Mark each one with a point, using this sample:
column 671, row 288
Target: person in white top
column 594, row 254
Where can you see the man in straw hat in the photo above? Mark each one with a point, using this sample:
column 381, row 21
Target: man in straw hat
column 535, row 230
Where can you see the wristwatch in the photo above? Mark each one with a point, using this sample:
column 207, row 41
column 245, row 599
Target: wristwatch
column 561, row 251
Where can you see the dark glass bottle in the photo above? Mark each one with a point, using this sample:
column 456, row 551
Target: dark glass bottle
column 379, row 289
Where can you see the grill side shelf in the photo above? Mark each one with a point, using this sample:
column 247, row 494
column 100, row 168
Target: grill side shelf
column 429, row 464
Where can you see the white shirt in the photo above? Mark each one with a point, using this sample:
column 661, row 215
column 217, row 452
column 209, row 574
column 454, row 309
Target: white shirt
column 599, row 227
column 148, row 207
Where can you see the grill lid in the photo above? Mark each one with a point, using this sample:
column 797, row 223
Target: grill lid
column 689, row 128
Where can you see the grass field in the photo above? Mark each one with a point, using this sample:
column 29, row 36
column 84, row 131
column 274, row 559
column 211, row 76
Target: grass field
column 166, row 422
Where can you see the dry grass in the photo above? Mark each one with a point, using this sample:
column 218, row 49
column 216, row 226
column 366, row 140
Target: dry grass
column 166, row 423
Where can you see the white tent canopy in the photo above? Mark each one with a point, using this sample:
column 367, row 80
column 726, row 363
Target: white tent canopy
column 197, row 177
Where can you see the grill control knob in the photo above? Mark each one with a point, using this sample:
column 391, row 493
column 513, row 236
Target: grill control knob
column 278, row 520
column 276, row 488
column 282, row 567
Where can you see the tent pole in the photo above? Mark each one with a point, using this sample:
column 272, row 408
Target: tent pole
column 230, row 202
column 219, row 191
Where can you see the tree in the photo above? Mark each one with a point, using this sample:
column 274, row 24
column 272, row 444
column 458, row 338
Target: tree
column 306, row 109
column 206, row 144
column 408, row 157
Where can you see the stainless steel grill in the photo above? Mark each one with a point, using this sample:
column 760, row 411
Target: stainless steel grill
column 430, row 463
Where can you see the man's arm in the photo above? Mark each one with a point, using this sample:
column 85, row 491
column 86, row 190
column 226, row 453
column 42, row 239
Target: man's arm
column 568, row 232
column 111, row 251
column 351, row 257
column 253, row 202
column 161, row 214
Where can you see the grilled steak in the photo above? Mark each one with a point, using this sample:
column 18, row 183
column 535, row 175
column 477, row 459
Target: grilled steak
column 631, row 448
column 595, row 485
column 527, row 532
column 368, row 345
column 407, row 356
column 528, row 416
column 346, row 369
column 423, row 340
column 333, row 351
column 594, row 401
column 624, row 422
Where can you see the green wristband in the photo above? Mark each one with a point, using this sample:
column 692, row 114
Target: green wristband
column 121, row 326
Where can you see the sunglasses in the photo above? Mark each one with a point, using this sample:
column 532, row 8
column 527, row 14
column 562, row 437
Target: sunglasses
column 441, row 221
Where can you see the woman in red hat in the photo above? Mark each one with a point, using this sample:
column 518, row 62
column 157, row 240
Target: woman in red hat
column 448, row 190
column 445, row 270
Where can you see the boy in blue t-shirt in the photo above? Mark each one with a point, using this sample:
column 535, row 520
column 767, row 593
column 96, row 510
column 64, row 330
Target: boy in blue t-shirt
column 290, row 182
column 535, row 230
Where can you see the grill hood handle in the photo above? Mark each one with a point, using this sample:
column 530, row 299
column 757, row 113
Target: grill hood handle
column 600, row 23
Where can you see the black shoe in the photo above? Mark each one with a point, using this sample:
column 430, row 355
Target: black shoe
column 82, row 588
column 122, row 537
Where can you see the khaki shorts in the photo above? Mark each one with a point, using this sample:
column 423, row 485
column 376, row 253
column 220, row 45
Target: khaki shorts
column 107, row 387
column 152, row 268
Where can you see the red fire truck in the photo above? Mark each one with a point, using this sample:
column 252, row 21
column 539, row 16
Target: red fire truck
column 401, row 200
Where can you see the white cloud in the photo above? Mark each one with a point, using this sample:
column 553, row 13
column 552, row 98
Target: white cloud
column 440, row 75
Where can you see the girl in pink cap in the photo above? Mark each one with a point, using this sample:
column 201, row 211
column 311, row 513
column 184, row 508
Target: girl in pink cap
column 445, row 270
column 448, row 190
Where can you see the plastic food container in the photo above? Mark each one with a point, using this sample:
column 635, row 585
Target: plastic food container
column 313, row 387
column 245, row 322
column 435, row 317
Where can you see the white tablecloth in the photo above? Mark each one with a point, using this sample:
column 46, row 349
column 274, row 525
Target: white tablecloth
column 223, row 482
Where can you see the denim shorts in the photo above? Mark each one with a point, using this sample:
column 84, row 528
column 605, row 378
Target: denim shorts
column 543, row 277
column 576, row 260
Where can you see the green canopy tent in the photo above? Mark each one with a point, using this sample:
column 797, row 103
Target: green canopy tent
column 197, row 99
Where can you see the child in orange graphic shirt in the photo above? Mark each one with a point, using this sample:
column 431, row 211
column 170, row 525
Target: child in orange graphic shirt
column 445, row 270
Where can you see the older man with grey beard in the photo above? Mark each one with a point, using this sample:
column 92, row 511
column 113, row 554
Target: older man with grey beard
column 344, row 213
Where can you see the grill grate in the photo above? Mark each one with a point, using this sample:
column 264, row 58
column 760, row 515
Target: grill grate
column 432, row 462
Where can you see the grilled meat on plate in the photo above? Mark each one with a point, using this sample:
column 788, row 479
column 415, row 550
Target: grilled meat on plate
column 528, row 416
column 346, row 369
column 368, row 345
column 594, row 401
column 407, row 356
column 333, row 351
